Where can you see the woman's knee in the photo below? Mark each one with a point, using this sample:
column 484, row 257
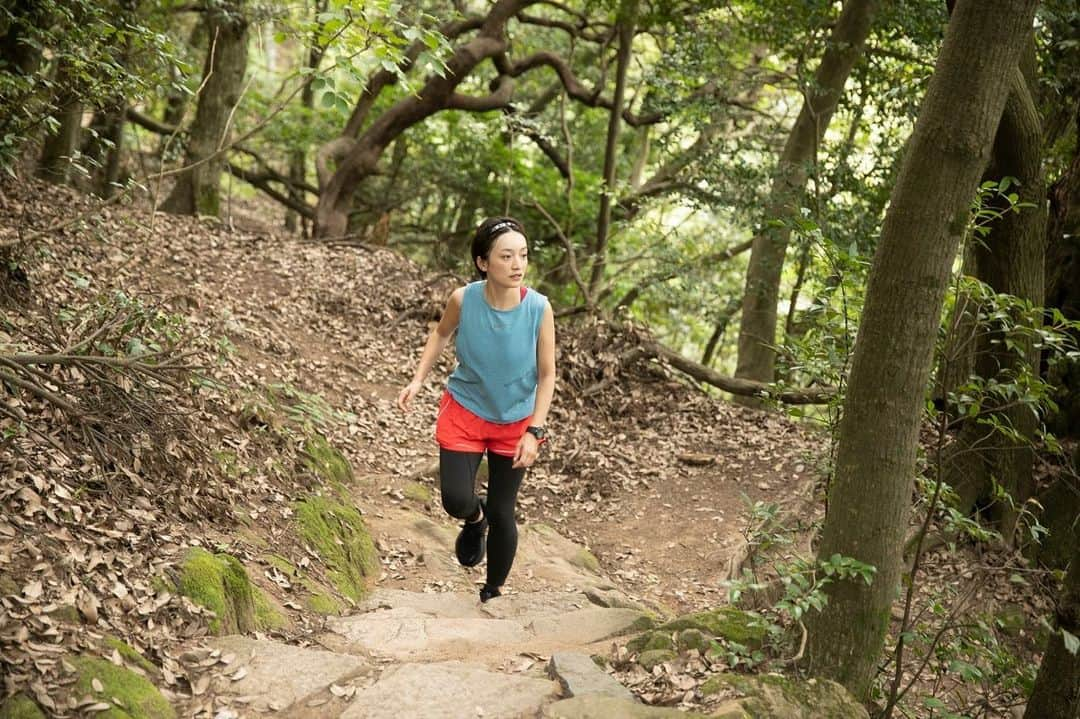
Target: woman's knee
column 459, row 505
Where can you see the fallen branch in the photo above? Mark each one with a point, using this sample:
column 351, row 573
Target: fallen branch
column 735, row 385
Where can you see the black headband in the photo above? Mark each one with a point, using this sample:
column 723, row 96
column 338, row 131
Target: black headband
column 505, row 224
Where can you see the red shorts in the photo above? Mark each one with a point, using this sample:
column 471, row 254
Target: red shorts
column 459, row 430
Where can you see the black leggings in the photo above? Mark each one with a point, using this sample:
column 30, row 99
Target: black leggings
column 457, row 482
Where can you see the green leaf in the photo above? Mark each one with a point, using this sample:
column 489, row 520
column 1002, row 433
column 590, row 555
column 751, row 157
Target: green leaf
column 1072, row 644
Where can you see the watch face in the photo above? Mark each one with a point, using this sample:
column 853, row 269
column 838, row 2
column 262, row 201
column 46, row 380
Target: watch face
column 538, row 432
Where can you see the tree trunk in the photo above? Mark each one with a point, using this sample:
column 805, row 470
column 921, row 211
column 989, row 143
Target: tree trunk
column 197, row 188
column 757, row 327
column 1057, row 687
column 870, row 494
column 1010, row 260
column 626, row 23
column 59, row 147
column 298, row 158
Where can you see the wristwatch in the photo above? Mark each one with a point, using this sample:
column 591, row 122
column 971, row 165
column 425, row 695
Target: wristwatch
column 539, row 432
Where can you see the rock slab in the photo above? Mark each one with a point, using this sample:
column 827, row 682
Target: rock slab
column 579, row 675
column 598, row 706
column 276, row 675
column 449, row 690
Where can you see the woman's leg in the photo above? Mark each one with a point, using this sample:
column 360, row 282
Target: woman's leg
column 457, row 483
column 503, row 484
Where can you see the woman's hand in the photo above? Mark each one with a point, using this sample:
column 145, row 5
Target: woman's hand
column 528, row 447
column 404, row 400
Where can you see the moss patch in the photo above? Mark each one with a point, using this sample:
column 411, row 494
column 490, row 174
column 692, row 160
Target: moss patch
column 327, row 462
column 417, row 492
column 220, row 583
column 774, row 696
column 139, row 698
column 338, row 534
column 651, row 658
column 130, row 654
column 586, row 560
column 8, row 586
column 320, row 600
column 266, row 614
column 20, row 706
column 725, row 623
column 650, row 641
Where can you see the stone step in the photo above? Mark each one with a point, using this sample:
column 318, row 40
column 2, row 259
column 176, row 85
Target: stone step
column 451, row 690
column 410, row 625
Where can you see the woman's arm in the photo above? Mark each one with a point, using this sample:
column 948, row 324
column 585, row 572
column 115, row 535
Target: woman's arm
column 528, row 446
column 433, row 349
column 545, row 367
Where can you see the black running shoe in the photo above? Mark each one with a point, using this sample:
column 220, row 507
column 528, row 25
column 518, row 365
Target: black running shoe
column 472, row 541
column 488, row 592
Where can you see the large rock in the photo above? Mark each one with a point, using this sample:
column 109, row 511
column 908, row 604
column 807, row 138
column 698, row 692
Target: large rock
column 579, row 675
column 276, row 675
column 449, row 690
column 773, row 696
column 411, row 625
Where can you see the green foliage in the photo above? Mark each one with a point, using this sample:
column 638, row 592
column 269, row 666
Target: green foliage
column 802, row 582
column 105, row 50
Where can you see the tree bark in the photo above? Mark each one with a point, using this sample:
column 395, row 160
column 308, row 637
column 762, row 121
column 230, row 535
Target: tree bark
column 197, row 189
column 626, row 23
column 870, row 494
column 1011, row 260
column 757, row 326
column 298, row 158
column 1057, row 687
column 59, row 147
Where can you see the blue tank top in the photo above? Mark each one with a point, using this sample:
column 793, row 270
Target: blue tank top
column 496, row 375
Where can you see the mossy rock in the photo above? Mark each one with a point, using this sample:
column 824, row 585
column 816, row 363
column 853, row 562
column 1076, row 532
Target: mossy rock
column 650, row 641
column 774, row 696
column 724, row 623
column 130, row 654
column 220, row 583
column 327, row 462
column 417, row 492
column 138, row 697
column 338, row 534
column 20, row 706
column 691, row 639
column 651, row 658
column 586, row 560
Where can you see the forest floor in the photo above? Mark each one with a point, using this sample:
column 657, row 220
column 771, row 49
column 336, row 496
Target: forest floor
column 649, row 474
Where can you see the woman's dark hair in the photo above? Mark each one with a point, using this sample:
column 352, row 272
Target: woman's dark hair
column 486, row 234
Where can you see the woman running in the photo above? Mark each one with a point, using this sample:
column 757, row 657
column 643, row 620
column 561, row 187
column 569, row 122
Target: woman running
column 497, row 398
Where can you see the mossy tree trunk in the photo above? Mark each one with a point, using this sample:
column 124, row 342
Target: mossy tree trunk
column 1057, row 687
column 1011, row 260
column 757, row 326
column 197, row 187
column 870, row 494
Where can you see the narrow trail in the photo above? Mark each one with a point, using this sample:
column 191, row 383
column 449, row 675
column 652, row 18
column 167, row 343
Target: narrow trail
column 637, row 508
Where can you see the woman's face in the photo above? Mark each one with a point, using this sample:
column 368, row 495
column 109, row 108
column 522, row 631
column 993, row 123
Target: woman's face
column 506, row 263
